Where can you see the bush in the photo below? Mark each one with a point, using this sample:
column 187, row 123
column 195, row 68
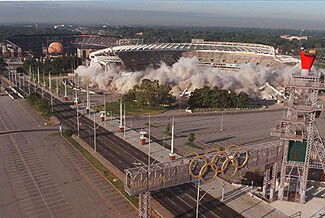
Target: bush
column 40, row 104
column 217, row 98
column 167, row 130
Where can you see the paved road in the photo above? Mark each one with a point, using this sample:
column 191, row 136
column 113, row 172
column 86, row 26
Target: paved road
column 43, row 176
column 123, row 156
column 243, row 129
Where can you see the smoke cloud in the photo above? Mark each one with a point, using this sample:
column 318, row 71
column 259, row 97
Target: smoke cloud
column 186, row 73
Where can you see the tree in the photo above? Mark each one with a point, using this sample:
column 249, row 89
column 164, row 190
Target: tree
column 207, row 97
column 167, row 130
column 243, row 99
column 191, row 137
column 151, row 93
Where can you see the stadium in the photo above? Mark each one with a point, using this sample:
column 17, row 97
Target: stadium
column 36, row 45
column 223, row 55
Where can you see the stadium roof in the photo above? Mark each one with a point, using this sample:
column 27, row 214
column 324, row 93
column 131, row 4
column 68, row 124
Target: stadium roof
column 226, row 47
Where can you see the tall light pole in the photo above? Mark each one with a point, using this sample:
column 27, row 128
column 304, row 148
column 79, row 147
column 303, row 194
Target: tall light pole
column 30, row 79
column 172, row 155
column 65, row 90
column 42, row 86
column 95, row 128
column 50, row 90
column 19, row 81
column 38, row 79
column 124, row 124
column 105, row 108
column 121, row 117
column 57, row 86
column 88, row 100
column 78, row 116
column 16, row 82
column 221, row 124
column 197, row 198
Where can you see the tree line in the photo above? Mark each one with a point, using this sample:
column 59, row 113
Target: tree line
column 214, row 97
column 150, row 92
column 56, row 66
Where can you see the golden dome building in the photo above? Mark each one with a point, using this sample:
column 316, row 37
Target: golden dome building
column 55, row 48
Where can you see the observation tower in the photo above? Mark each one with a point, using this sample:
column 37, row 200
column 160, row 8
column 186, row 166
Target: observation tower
column 304, row 150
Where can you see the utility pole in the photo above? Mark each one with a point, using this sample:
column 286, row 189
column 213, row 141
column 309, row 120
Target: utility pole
column 57, row 87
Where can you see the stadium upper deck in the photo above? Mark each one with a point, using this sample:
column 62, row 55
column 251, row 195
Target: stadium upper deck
column 228, row 55
column 224, row 47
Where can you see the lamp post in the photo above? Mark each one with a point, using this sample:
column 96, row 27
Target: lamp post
column 221, row 124
column 172, row 155
column 95, row 128
column 50, row 91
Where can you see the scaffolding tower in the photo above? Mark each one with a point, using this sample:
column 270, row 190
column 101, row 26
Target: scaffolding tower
column 303, row 146
column 144, row 205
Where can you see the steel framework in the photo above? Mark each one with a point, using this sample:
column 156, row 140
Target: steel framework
column 298, row 125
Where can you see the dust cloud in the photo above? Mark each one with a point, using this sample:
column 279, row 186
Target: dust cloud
column 188, row 74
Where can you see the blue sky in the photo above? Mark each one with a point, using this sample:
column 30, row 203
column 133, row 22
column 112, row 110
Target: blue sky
column 292, row 13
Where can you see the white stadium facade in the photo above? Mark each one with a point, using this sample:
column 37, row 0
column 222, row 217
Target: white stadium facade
column 224, row 55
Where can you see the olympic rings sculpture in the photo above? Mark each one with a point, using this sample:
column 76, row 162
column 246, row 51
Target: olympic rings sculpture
column 218, row 161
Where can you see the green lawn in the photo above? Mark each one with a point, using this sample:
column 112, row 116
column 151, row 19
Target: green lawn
column 132, row 108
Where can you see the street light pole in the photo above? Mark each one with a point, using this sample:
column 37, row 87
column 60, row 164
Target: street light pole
column 65, row 90
column 197, row 199
column 50, row 91
column 42, row 86
column 124, row 124
column 38, row 79
column 57, row 86
column 78, row 123
column 16, row 83
column 105, row 108
column 88, row 100
column 95, row 146
column 95, row 128
column 221, row 125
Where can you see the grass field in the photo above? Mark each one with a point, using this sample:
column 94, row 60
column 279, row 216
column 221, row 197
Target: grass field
column 132, row 108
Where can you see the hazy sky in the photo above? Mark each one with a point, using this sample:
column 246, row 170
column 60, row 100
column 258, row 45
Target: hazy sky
column 262, row 13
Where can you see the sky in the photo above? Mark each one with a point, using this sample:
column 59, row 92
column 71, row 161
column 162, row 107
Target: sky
column 292, row 14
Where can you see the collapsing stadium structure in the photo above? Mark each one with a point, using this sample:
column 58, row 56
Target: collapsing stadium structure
column 223, row 55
